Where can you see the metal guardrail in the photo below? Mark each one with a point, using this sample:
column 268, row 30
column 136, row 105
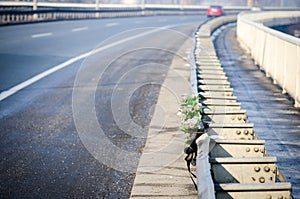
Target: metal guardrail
column 47, row 14
column 240, row 165
column 19, row 16
column 22, row 12
column 278, row 54
column 12, row 12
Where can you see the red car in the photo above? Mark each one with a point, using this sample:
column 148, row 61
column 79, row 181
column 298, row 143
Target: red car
column 214, row 11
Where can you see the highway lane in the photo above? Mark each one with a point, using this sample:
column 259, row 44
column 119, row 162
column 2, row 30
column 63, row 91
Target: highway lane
column 36, row 43
column 50, row 144
column 23, row 57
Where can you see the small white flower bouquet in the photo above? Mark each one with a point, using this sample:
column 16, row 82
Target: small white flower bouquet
column 191, row 111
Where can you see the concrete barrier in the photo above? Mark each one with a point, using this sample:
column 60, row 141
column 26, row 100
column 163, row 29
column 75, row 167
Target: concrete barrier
column 276, row 53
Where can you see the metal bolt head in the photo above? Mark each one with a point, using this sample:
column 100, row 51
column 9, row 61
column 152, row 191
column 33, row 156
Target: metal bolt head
column 267, row 169
column 257, row 169
column 247, row 149
column 240, row 118
column 233, row 117
column 256, row 149
column 262, row 180
column 269, row 197
column 280, row 197
column 238, row 132
column 246, row 132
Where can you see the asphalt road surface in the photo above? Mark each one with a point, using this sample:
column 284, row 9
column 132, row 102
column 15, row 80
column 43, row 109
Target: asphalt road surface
column 76, row 102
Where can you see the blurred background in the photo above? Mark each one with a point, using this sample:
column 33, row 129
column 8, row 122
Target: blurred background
column 264, row 3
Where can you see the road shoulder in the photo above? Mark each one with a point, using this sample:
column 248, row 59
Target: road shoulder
column 162, row 170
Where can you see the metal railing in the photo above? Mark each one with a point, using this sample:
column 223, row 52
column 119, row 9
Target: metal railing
column 19, row 16
column 12, row 12
column 278, row 54
column 232, row 162
column 20, row 12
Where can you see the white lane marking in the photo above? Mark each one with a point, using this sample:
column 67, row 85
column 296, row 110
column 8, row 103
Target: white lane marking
column 162, row 20
column 79, row 29
column 111, row 24
column 139, row 22
column 42, row 35
column 13, row 90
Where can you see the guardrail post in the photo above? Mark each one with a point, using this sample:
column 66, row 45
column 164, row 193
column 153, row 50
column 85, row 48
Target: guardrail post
column 35, row 2
column 276, row 65
column 97, row 15
column 284, row 69
column 143, row 7
column 205, row 184
column 297, row 97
